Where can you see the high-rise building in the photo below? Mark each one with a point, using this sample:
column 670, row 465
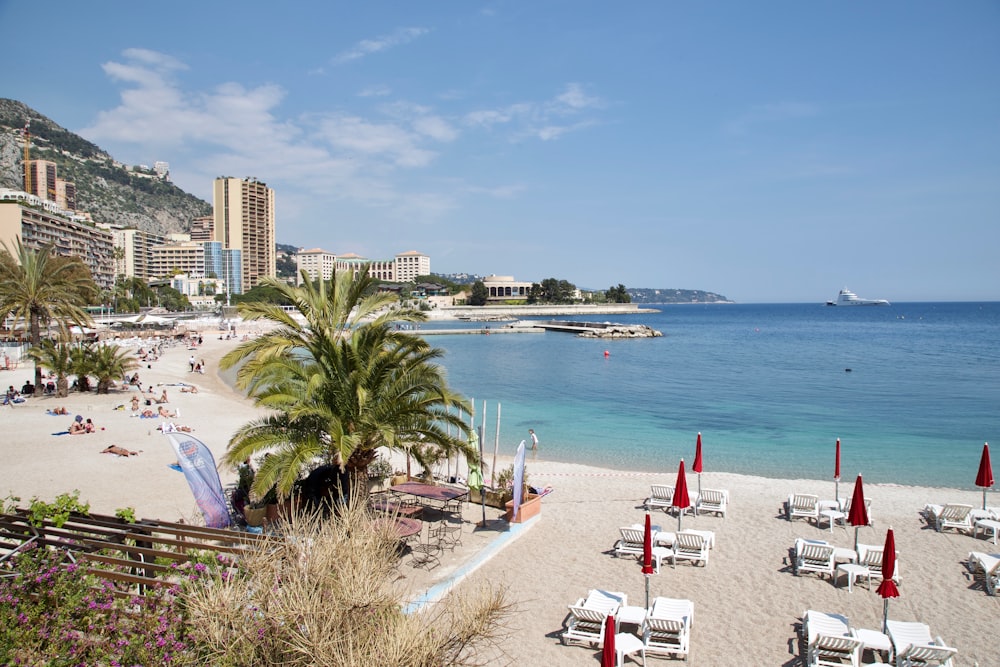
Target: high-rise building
column 201, row 228
column 37, row 228
column 134, row 251
column 45, row 183
column 243, row 219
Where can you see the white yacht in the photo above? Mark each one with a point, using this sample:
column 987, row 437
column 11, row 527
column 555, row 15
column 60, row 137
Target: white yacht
column 849, row 298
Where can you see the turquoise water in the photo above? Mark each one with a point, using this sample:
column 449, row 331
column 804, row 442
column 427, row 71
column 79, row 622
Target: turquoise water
column 766, row 385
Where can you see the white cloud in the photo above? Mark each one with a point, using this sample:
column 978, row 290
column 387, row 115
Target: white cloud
column 544, row 120
column 369, row 46
column 317, row 161
column 368, row 139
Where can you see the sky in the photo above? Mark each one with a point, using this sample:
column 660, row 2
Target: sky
column 769, row 151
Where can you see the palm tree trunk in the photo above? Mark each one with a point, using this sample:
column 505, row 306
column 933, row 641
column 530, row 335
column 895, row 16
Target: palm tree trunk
column 35, row 335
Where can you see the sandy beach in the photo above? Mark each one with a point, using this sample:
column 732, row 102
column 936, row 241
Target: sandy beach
column 747, row 600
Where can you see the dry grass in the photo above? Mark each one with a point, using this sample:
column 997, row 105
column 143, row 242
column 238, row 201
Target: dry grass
column 324, row 596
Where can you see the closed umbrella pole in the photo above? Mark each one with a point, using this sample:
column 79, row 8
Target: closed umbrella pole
column 647, row 555
column 608, row 651
column 836, row 476
column 985, row 476
column 681, row 499
column 858, row 516
column 697, row 466
column 887, row 589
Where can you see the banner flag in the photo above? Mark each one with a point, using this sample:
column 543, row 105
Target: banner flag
column 198, row 465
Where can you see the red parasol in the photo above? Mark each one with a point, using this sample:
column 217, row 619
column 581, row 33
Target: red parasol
column 681, row 500
column 985, row 476
column 608, row 654
column 836, row 475
column 647, row 555
column 858, row 516
column 887, row 589
column 696, row 467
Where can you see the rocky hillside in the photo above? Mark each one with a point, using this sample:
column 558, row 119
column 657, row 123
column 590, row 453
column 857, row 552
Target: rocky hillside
column 107, row 190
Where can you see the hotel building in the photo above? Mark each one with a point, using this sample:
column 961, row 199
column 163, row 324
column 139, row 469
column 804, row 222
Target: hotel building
column 243, row 219
column 24, row 217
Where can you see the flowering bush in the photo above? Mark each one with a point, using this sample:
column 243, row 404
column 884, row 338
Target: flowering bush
column 56, row 614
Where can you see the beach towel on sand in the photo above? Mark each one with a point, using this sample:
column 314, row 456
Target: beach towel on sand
column 61, row 433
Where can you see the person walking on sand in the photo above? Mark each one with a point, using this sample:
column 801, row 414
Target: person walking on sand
column 191, row 363
column 534, row 439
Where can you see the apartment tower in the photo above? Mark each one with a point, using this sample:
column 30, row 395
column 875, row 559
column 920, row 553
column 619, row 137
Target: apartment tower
column 243, row 219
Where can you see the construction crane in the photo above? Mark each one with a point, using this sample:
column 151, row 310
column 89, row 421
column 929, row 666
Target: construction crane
column 27, row 156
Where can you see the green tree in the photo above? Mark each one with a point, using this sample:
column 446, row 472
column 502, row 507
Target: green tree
column 110, row 362
column 618, row 294
column 552, row 290
column 172, row 299
column 57, row 358
column 41, row 288
column 478, row 295
column 82, row 356
column 339, row 381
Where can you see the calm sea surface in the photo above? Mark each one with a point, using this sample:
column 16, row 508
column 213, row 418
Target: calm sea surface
column 766, row 385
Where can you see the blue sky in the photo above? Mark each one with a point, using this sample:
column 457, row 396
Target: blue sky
column 768, row 151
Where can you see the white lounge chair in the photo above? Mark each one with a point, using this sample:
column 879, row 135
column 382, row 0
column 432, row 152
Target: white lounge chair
column 667, row 628
column 987, row 566
column 829, row 640
column 587, row 617
column 803, row 505
column 712, row 500
column 631, row 542
column 871, row 557
column 814, row 556
column 690, row 546
column 913, row 645
column 953, row 515
column 662, row 497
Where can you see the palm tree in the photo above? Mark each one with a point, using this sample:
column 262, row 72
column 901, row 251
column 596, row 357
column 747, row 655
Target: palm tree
column 110, row 362
column 339, row 381
column 82, row 356
column 40, row 288
column 57, row 357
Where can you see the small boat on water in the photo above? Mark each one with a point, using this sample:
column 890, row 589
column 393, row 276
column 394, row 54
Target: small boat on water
column 848, row 298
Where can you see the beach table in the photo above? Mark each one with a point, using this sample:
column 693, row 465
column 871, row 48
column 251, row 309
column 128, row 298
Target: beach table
column 403, row 526
column 408, row 510
column 429, row 494
column 987, row 526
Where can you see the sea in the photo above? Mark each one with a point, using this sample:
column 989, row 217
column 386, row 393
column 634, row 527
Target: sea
column 912, row 390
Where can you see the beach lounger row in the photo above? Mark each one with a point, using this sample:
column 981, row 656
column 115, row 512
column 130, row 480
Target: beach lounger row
column 691, row 545
column 831, row 641
column 824, row 558
column 665, row 627
column 708, row 500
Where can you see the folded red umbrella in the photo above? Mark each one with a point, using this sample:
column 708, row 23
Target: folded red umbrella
column 608, row 653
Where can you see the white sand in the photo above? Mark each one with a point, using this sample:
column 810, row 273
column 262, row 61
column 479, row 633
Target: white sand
column 747, row 601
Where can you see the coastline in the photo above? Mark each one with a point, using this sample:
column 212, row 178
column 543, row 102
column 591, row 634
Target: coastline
column 747, row 600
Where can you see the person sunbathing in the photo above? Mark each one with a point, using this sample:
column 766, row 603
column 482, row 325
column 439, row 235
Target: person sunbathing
column 77, row 428
column 162, row 398
column 148, row 414
column 57, row 411
column 89, row 426
column 191, row 389
column 119, row 451
column 162, row 411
